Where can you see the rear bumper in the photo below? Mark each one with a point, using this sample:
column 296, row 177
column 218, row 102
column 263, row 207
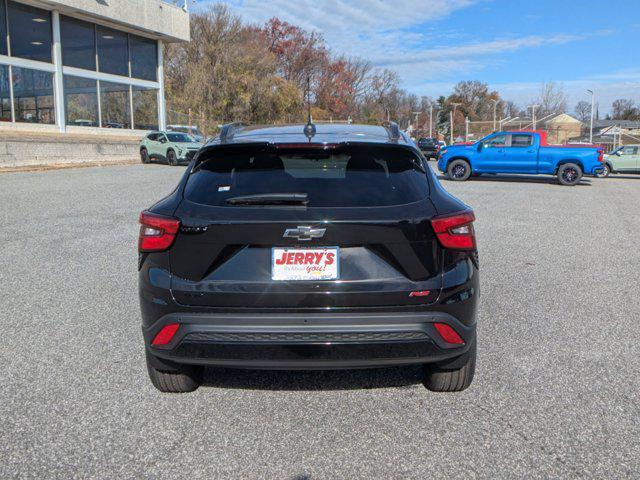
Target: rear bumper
column 311, row 341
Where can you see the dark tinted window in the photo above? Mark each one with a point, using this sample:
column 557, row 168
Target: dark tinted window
column 521, row 140
column 152, row 136
column 33, row 95
column 81, row 101
column 179, row 138
column 3, row 29
column 112, row 51
column 497, row 141
column 114, row 102
column 144, row 58
column 357, row 176
column 30, row 32
column 5, row 100
column 78, row 43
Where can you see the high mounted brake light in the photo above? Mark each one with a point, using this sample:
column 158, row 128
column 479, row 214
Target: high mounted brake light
column 157, row 232
column 456, row 231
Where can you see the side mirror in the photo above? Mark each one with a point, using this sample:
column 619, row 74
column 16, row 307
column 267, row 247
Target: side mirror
column 618, row 153
column 480, row 146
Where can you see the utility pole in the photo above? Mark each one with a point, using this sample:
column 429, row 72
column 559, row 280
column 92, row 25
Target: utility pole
column 533, row 114
column 417, row 114
column 495, row 108
column 593, row 97
column 430, row 120
column 466, row 129
column 452, row 114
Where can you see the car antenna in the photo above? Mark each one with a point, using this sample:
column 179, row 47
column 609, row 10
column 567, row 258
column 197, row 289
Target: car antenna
column 309, row 128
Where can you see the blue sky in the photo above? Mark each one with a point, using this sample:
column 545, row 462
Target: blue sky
column 514, row 45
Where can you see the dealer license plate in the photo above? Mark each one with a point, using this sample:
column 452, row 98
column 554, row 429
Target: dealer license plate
column 321, row 263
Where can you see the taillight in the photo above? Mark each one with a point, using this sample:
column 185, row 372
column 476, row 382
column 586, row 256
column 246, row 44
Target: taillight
column 600, row 156
column 456, row 231
column 157, row 232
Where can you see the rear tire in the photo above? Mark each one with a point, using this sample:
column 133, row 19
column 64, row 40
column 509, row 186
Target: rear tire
column 606, row 172
column 569, row 174
column 186, row 379
column 144, row 155
column 438, row 379
column 171, row 158
column 459, row 170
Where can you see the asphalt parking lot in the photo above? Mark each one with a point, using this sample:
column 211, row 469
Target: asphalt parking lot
column 557, row 390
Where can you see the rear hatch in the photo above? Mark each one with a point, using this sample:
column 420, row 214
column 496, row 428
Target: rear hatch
column 306, row 227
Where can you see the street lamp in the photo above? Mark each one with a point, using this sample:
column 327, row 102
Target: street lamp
column 417, row 114
column 453, row 114
column 592, row 105
column 533, row 114
column 495, row 108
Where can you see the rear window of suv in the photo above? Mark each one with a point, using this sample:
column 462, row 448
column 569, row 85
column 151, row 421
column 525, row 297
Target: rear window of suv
column 350, row 176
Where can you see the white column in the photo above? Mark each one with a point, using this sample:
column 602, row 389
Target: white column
column 162, row 107
column 58, row 76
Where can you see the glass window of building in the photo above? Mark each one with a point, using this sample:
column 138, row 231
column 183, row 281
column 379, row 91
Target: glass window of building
column 78, row 43
column 144, row 58
column 113, row 56
column 5, row 99
column 30, row 34
column 80, row 101
column 3, row 29
column 33, row 95
column 115, row 106
column 145, row 108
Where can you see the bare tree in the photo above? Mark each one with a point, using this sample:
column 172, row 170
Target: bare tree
column 583, row 111
column 624, row 109
column 511, row 109
column 552, row 99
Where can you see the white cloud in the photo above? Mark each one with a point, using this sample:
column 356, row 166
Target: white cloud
column 368, row 28
column 406, row 35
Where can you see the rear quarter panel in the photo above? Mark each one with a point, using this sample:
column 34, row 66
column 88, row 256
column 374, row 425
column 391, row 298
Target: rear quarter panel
column 550, row 158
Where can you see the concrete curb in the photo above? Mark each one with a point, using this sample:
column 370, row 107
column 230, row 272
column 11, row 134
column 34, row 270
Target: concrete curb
column 63, row 166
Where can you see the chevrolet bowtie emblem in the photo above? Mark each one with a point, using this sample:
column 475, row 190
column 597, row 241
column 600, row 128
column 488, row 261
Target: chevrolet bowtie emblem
column 304, row 234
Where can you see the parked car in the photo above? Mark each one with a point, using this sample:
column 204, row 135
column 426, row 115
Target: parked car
column 520, row 152
column 172, row 147
column 304, row 247
column 625, row 159
column 430, row 146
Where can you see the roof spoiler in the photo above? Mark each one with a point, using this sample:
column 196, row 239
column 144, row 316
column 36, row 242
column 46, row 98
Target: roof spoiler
column 393, row 130
column 229, row 130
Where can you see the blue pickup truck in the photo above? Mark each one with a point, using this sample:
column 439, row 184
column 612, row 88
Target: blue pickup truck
column 520, row 152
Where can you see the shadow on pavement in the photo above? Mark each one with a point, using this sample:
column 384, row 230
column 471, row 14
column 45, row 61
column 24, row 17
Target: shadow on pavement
column 519, row 179
column 622, row 177
column 306, row 380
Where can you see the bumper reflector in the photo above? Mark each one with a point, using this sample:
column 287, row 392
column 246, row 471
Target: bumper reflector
column 448, row 334
column 420, row 293
column 165, row 335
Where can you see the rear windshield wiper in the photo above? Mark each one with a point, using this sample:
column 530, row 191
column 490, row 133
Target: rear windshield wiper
column 270, row 199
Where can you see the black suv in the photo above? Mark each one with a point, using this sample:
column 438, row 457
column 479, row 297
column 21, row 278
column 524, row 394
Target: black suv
column 308, row 247
column 429, row 147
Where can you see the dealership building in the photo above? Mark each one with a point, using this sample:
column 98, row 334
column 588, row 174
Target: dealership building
column 86, row 66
